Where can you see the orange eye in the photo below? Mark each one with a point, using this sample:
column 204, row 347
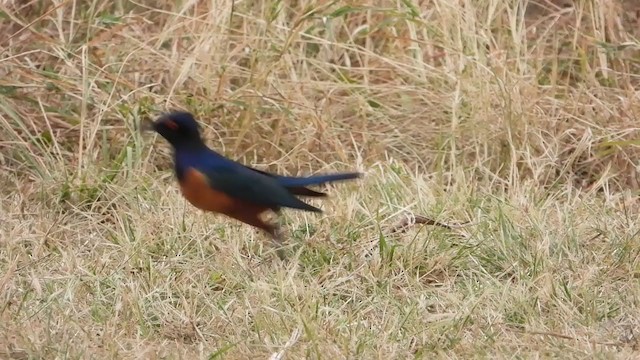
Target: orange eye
column 171, row 125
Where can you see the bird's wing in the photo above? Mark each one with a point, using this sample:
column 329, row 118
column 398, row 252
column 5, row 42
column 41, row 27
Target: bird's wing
column 243, row 184
column 296, row 190
column 300, row 181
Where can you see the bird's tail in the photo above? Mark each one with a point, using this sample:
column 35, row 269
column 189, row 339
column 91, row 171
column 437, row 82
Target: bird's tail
column 288, row 181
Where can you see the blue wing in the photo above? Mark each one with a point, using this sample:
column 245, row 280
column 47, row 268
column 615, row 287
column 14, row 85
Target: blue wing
column 296, row 185
column 244, row 184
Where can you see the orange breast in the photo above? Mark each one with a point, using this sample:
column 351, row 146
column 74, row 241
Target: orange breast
column 197, row 191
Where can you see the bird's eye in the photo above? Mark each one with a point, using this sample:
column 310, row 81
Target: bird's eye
column 171, row 125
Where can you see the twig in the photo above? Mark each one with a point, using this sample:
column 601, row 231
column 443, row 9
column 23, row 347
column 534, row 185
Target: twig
column 568, row 337
column 413, row 219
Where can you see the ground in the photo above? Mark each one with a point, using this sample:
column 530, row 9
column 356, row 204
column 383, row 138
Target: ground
column 515, row 124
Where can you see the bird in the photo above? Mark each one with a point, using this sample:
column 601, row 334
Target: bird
column 215, row 183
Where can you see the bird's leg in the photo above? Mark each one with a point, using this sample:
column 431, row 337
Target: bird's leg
column 277, row 237
column 278, row 240
column 254, row 219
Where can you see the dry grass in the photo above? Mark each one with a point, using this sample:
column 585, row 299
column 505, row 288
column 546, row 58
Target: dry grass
column 521, row 122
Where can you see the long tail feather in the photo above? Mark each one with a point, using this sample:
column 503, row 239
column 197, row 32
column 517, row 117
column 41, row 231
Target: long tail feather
column 303, row 191
column 316, row 180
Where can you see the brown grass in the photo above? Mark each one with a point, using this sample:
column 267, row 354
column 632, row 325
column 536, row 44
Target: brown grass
column 518, row 119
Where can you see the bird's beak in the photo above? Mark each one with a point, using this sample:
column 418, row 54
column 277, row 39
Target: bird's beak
column 147, row 125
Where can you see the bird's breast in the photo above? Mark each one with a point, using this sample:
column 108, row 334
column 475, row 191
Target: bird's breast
column 196, row 189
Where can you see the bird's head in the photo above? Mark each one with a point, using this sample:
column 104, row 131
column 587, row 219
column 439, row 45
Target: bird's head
column 178, row 127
